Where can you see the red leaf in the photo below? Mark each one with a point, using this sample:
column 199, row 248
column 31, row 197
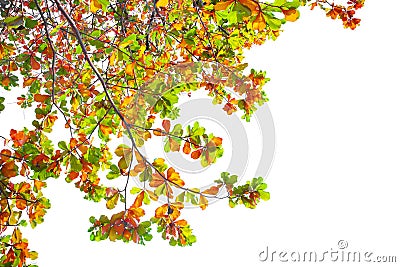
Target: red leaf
column 35, row 65
column 166, row 124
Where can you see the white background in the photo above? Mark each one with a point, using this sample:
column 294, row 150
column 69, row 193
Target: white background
column 334, row 95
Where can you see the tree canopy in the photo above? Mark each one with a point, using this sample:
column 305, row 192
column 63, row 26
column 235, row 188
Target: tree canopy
column 105, row 70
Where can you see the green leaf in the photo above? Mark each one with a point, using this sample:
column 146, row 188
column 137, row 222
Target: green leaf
column 14, row 22
column 172, row 242
column 264, row 195
column 135, row 190
column 76, row 165
column 63, row 145
column 30, row 23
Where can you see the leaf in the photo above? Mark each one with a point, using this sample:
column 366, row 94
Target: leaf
column 174, row 177
column 203, row 202
column 258, row 24
column 152, row 195
column 35, row 65
column 139, row 200
column 186, row 148
column 106, row 130
column 14, row 22
column 135, row 190
column 16, row 236
column 95, row 5
column 213, row 190
column 196, row 154
column 217, row 141
column 252, row 5
column 9, row 169
column 166, row 124
column 112, row 202
column 130, row 69
column 223, row 5
column 40, row 98
column 122, row 150
column 291, row 14
column 30, row 23
column 162, row 3
column 156, row 180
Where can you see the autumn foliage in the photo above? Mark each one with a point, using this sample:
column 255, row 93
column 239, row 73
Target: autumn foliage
column 88, row 67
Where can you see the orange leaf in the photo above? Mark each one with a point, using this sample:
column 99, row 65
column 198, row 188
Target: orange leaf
column 40, row 98
column 39, row 184
column 139, row 200
column 24, row 169
column 196, row 154
column 203, row 202
column 127, row 235
column 130, row 69
column 160, row 211
column 213, row 190
column 291, row 15
column 35, row 65
column 186, row 148
column 181, row 223
column 223, row 5
column 217, row 141
column 13, row 66
column 21, row 204
column 258, row 24
column 106, row 130
column 158, row 132
column 28, row 81
column 6, row 81
column 174, row 177
column 252, row 5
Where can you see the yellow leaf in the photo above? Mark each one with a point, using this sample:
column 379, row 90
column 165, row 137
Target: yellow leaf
column 291, row 15
column 95, row 5
column 223, row 5
column 112, row 58
column 2, row 53
column 162, row 3
column 130, row 69
column 33, row 255
column 16, row 236
column 112, row 202
column 203, row 202
column 259, row 23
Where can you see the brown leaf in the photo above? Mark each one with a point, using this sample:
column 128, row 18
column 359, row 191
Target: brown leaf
column 35, row 65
